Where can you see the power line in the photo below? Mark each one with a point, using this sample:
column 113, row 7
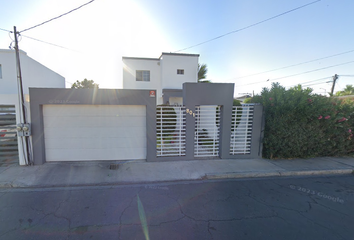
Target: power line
column 58, row 16
column 294, row 65
column 48, row 43
column 320, row 79
column 293, row 75
column 69, row 82
column 249, row 26
column 346, row 75
column 5, row 30
column 306, row 85
column 315, row 70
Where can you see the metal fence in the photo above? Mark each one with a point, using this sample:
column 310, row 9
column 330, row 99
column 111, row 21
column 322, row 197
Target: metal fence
column 171, row 131
column 207, row 131
column 8, row 134
column 241, row 129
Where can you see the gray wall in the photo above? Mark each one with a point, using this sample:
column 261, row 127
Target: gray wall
column 197, row 94
column 42, row 96
column 194, row 94
column 167, row 93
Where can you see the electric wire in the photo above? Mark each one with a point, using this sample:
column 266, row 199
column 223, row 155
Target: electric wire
column 306, row 85
column 315, row 70
column 346, row 75
column 5, row 30
column 307, row 82
column 249, row 26
column 293, row 75
column 48, row 43
column 58, row 16
column 293, row 65
column 314, row 80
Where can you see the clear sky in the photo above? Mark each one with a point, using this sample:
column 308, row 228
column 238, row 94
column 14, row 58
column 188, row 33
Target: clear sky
column 99, row 34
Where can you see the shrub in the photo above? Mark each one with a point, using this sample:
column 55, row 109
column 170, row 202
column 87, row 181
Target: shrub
column 299, row 124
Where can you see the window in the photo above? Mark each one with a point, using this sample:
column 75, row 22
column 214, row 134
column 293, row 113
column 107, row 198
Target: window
column 143, row 76
column 180, row 71
column 0, row 72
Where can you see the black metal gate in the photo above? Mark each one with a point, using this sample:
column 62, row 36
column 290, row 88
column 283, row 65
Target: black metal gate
column 8, row 135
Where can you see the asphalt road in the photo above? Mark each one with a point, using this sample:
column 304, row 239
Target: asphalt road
column 277, row 208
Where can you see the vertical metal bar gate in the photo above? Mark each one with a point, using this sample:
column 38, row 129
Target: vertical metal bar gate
column 207, row 131
column 241, row 129
column 171, row 131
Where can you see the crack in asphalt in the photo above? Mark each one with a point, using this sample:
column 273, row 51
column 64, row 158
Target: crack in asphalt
column 62, row 217
column 327, row 207
column 269, row 205
column 298, row 211
column 125, row 209
column 330, row 229
column 50, row 214
column 209, row 228
column 7, row 232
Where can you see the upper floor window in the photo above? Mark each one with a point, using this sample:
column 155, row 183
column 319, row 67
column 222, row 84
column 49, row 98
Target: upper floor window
column 180, row 71
column 0, row 72
column 143, row 76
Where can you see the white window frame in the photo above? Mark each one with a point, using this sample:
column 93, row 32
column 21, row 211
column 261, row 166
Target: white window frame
column 142, row 76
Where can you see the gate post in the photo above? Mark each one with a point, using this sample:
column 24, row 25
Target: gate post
column 257, row 132
column 196, row 94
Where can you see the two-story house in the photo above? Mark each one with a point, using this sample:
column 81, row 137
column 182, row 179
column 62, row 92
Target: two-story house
column 166, row 74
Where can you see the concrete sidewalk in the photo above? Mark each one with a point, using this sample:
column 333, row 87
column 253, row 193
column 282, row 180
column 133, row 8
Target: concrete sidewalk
column 99, row 173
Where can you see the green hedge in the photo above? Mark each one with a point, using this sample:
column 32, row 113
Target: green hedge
column 300, row 124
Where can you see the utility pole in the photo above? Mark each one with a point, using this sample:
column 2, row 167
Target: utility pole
column 20, row 94
column 335, row 77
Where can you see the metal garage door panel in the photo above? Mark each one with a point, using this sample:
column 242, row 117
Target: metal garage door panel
column 94, row 132
column 95, row 121
column 94, row 110
column 95, row 143
column 95, row 154
column 125, row 132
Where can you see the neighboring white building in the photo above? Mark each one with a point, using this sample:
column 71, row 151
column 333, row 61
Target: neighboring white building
column 166, row 74
column 242, row 98
column 34, row 74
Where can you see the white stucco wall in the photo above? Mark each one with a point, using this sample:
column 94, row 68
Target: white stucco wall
column 34, row 74
column 131, row 65
column 163, row 72
column 170, row 64
column 176, row 101
column 8, row 83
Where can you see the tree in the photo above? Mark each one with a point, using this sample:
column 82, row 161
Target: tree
column 202, row 73
column 247, row 100
column 85, row 84
column 236, row 102
column 348, row 90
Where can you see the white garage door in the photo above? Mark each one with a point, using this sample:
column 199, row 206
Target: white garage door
column 94, row 132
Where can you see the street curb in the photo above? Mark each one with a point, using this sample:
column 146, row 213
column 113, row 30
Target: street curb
column 106, row 184
column 207, row 176
column 277, row 174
